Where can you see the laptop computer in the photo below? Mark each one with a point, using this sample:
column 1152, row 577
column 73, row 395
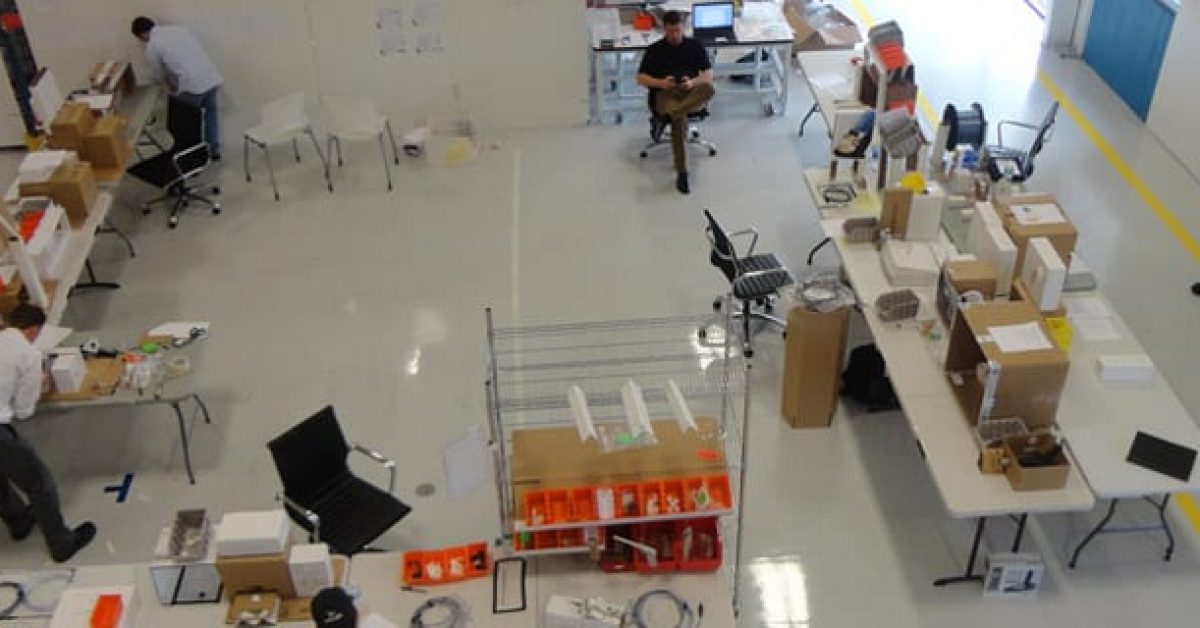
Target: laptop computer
column 712, row 22
column 1162, row 456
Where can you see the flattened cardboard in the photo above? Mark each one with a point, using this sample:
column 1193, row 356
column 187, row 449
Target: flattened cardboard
column 816, row 344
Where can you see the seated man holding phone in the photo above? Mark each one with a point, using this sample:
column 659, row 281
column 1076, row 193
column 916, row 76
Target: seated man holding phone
column 679, row 76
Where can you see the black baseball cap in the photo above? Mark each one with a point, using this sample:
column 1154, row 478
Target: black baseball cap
column 334, row 608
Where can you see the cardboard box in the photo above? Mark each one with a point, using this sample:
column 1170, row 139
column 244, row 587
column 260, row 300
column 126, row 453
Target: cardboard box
column 72, row 122
column 112, row 77
column 1021, row 292
column 260, row 607
column 812, row 368
column 820, row 27
column 897, row 202
column 1028, row 216
column 990, row 382
column 258, row 573
column 958, row 278
column 68, row 370
column 74, row 187
column 1039, row 478
column 106, row 145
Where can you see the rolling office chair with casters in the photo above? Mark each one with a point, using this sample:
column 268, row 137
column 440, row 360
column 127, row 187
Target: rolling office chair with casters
column 660, row 129
column 753, row 279
column 323, row 496
column 1009, row 164
column 176, row 169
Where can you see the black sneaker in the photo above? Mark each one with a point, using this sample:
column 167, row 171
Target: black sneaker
column 80, row 537
column 681, row 183
column 1196, row 288
column 21, row 530
column 216, row 157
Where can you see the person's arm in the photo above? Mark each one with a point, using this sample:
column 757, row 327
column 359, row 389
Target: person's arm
column 29, row 386
column 158, row 68
column 650, row 82
column 648, row 69
column 704, row 78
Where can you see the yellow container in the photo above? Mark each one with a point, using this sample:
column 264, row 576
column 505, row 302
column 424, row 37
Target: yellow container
column 1061, row 331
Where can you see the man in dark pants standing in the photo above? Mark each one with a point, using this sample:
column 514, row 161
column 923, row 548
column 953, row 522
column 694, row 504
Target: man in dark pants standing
column 679, row 76
column 21, row 384
column 177, row 56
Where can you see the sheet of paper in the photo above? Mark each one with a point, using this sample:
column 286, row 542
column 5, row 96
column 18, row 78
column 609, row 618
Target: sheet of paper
column 1097, row 329
column 468, row 463
column 1039, row 214
column 51, row 336
column 1087, row 307
column 177, row 330
column 97, row 102
column 1018, row 338
column 375, row 620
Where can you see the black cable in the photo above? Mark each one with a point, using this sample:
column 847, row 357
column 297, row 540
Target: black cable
column 455, row 610
column 637, row 615
column 19, row 596
column 816, row 249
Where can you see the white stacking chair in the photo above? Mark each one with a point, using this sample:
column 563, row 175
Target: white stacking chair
column 282, row 120
column 356, row 120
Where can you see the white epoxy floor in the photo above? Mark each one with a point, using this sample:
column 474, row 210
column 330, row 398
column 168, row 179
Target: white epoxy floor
column 374, row 302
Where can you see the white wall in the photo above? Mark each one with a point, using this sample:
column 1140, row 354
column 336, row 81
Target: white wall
column 1173, row 110
column 1063, row 17
column 516, row 63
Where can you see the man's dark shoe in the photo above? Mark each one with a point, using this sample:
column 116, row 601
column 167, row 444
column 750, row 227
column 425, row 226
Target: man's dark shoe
column 681, row 183
column 20, row 530
column 80, row 537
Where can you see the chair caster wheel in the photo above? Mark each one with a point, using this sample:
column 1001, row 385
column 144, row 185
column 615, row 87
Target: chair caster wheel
column 642, row 154
column 712, row 152
column 618, row 118
column 717, row 305
column 768, row 110
column 216, row 190
column 216, row 210
column 330, row 187
column 749, row 353
column 173, row 223
column 701, row 334
column 1196, row 288
column 146, row 210
column 247, row 178
column 276, row 197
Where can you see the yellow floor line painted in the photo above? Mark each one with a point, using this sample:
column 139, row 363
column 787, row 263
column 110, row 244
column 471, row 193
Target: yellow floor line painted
column 1185, row 501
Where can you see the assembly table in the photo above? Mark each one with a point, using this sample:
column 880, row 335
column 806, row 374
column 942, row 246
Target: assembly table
column 616, row 51
column 170, row 392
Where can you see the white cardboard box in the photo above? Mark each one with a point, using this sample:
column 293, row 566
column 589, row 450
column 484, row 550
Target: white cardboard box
column 311, row 568
column 75, row 606
column 925, row 214
column 1044, row 273
column 68, row 369
column 909, row 264
column 1125, row 368
column 252, row 532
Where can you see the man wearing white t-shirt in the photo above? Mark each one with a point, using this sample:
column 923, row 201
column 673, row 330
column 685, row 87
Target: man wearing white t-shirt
column 21, row 384
column 176, row 55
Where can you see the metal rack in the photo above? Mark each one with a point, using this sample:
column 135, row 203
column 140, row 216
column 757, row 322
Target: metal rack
column 530, row 368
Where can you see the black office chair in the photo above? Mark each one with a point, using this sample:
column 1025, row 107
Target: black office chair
column 753, row 279
column 660, row 128
column 1015, row 165
column 323, row 496
column 175, row 169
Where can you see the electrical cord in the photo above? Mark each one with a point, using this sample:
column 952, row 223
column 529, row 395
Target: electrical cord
column 40, row 580
column 18, row 597
column 838, row 194
column 455, row 613
column 687, row 618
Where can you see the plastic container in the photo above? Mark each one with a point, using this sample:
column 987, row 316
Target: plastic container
column 479, row 560
column 704, row 551
column 652, row 499
column 718, row 490
column 672, row 492
column 628, row 500
column 617, row 557
column 451, row 564
column 664, row 538
column 535, row 508
column 453, row 141
column 583, row 504
column 898, row 305
column 558, row 506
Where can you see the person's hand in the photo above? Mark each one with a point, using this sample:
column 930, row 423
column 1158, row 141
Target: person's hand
column 688, row 83
column 667, row 82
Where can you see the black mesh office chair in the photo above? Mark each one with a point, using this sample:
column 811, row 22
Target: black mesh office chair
column 1015, row 165
column 753, row 279
column 660, row 128
column 175, row 169
column 323, row 496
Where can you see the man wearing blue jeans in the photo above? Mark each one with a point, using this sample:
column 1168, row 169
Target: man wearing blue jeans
column 176, row 55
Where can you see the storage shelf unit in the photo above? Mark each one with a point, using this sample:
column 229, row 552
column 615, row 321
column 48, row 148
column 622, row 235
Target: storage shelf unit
column 531, row 368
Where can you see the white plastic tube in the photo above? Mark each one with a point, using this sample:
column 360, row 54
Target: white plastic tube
column 636, row 414
column 683, row 414
column 583, row 416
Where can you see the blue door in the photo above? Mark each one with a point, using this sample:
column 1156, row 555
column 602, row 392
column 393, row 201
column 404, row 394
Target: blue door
column 1126, row 41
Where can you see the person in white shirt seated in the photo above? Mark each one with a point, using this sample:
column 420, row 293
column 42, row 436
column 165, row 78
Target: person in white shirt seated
column 21, row 384
column 175, row 55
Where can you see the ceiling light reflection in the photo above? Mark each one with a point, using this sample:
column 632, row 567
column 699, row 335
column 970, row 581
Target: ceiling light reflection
column 782, row 590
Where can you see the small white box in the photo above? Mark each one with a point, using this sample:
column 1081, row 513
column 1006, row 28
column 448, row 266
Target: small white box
column 1013, row 575
column 75, row 606
column 1125, row 368
column 68, row 370
column 909, row 264
column 311, row 568
column 573, row 612
column 925, row 214
column 39, row 165
column 252, row 532
column 992, row 244
column 1044, row 273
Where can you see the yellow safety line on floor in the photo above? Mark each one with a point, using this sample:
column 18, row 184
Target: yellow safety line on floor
column 1185, row 501
column 923, row 103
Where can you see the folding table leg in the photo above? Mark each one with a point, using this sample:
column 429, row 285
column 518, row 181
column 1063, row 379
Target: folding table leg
column 183, row 436
column 969, row 575
column 1112, row 509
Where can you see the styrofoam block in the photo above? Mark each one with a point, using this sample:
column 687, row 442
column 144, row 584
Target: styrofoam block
column 252, row 532
column 1125, row 368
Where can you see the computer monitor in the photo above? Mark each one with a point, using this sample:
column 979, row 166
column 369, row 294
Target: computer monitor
column 712, row 15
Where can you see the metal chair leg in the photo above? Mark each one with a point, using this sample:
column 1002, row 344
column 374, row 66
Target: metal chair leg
column 296, row 149
column 329, row 148
column 337, row 142
column 317, row 147
column 387, row 125
column 271, row 169
column 387, row 169
column 246, row 157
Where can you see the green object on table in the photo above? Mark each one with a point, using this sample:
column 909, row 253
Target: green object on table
column 625, row 438
column 149, row 347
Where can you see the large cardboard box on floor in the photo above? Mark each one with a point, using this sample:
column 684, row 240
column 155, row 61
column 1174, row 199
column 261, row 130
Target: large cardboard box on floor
column 106, row 145
column 72, row 122
column 812, row 368
column 1028, row 216
column 74, row 187
column 1025, row 381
